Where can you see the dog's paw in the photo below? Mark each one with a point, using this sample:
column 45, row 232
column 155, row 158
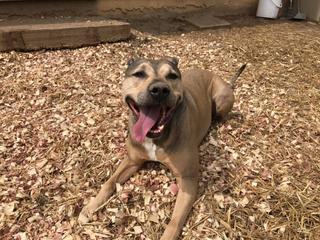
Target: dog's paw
column 84, row 216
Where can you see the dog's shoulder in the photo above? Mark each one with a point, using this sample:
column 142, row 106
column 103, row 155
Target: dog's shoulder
column 196, row 79
column 196, row 73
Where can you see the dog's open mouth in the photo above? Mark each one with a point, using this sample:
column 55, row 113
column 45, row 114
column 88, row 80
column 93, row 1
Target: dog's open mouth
column 151, row 120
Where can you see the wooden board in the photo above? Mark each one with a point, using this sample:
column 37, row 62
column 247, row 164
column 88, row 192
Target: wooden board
column 62, row 35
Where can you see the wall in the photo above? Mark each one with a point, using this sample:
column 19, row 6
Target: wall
column 312, row 9
column 220, row 7
column 115, row 8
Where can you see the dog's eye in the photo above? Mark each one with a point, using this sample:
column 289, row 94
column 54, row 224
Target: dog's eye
column 140, row 74
column 172, row 76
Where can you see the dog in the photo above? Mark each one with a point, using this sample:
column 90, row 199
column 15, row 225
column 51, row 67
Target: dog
column 170, row 114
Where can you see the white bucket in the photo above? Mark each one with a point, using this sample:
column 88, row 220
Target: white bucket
column 269, row 8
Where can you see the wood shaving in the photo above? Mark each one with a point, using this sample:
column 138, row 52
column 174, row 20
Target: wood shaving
column 64, row 126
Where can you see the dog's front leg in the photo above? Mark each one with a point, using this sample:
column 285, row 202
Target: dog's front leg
column 186, row 196
column 123, row 172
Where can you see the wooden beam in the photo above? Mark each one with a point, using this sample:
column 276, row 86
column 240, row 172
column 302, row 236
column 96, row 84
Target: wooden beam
column 61, row 35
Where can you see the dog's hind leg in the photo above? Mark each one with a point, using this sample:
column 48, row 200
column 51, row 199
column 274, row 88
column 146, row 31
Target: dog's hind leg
column 222, row 99
column 122, row 174
column 222, row 95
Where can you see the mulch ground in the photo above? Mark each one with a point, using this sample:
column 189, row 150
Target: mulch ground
column 63, row 130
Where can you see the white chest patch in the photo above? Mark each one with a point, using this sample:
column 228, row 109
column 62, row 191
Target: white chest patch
column 151, row 148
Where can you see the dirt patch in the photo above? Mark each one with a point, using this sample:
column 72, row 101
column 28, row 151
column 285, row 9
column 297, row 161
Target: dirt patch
column 63, row 130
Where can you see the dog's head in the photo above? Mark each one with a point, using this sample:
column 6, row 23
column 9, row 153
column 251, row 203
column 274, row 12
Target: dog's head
column 153, row 90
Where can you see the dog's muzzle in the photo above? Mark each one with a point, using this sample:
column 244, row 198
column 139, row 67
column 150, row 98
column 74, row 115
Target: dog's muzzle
column 159, row 91
column 153, row 111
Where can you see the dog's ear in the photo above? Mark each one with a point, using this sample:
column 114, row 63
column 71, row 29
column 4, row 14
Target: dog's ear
column 130, row 61
column 173, row 60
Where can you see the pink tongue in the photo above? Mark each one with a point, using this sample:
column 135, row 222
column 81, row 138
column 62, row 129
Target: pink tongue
column 147, row 118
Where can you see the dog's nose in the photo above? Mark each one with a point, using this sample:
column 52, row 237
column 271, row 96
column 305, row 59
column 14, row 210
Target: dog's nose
column 159, row 91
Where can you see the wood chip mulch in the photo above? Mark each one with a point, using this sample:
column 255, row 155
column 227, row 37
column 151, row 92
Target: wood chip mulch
column 63, row 129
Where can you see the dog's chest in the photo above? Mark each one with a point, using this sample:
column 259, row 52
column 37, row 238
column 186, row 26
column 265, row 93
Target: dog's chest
column 151, row 149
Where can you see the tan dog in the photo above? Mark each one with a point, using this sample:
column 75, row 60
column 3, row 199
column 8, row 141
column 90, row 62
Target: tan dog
column 170, row 115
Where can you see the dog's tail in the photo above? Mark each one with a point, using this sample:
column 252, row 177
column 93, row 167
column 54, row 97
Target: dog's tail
column 235, row 77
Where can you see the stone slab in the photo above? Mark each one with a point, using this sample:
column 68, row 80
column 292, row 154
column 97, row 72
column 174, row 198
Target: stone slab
column 206, row 20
